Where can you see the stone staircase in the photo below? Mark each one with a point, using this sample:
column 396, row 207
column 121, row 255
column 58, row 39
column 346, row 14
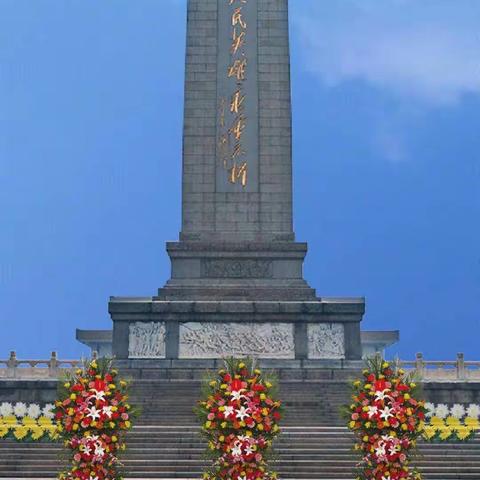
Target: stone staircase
column 165, row 444
column 306, row 403
column 314, row 453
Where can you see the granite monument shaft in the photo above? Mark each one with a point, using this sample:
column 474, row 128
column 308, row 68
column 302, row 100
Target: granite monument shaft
column 236, row 285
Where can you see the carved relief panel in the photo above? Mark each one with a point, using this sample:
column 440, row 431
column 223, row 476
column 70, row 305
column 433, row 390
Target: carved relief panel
column 326, row 341
column 216, row 340
column 146, row 340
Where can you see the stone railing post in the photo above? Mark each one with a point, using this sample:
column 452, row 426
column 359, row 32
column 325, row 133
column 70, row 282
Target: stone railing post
column 53, row 366
column 461, row 371
column 420, row 365
column 12, row 364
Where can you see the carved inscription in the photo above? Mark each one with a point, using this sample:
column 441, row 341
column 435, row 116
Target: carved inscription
column 237, row 90
column 146, row 340
column 326, row 341
column 226, row 268
column 217, row 340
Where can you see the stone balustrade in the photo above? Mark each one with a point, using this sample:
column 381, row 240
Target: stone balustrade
column 458, row 370
column 13, row 368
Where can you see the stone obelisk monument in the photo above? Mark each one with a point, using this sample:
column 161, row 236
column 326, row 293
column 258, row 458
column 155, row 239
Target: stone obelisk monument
column 236, row 285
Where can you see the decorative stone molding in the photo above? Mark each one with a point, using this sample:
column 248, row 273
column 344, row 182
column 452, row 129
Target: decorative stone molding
column 216, row 340
column 146, row 340
column 227, row 268
column 326, row 341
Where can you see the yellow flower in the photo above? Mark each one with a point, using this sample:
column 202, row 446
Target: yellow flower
column 445, row 433
column 3, row 430
column 437, row 421
column 241, row 365
column 114, row 438
column 10, row 420
column 28, row 421
column 37, row 432
column 260, row 426
column 429, row 432
column 123, row 383
column 464, row 432
column 93, row 364
column 20, row 432
column 472, row 423
column 452, row 422
column 268, row 384
column 44, row 421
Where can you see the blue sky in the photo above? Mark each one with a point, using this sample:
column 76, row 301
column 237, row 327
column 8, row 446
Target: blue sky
column 386, row 162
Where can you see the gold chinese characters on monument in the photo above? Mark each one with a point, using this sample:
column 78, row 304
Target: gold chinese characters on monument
column 230, row 143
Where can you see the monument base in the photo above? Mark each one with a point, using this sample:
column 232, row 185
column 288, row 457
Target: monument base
column 322, row 330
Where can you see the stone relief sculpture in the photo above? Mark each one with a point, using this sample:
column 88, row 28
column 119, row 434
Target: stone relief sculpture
column 326, row 341
column 225, row 268
column 146, row 340
column 215, row 340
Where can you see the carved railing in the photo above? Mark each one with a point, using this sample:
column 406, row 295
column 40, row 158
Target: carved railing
column 457, row 370
column 13, row 368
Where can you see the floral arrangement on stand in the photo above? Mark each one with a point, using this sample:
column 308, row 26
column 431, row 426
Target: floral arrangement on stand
column 386, row 417
column 239, row 412
column 94, row 414
column 456, row 423
column 27, row 423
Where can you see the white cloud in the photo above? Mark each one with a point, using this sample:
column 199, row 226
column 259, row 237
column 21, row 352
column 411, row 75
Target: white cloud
column 428, row 50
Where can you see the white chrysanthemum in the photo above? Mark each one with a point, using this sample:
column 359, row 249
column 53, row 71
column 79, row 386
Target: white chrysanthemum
column 473, row 411
column 442, row 410
column 34, row 410
column 20, row 409
column 6, row 409
column 48, row 411
column 430, row 409
column 457, row 411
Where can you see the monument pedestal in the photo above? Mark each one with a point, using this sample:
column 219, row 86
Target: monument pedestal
column 317, row 331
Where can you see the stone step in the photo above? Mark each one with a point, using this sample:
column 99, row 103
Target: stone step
column 317, row 452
